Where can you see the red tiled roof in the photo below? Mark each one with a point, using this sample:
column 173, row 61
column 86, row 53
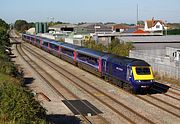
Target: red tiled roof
column 139, row 31
column 152, row 23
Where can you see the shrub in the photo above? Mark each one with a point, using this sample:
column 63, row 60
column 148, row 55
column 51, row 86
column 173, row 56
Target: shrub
column 18, row 106
column 115, row 47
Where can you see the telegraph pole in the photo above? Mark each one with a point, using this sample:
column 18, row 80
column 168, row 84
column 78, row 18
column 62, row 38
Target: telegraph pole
column 137, row 15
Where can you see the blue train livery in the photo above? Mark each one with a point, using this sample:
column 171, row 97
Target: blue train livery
column 131, row 74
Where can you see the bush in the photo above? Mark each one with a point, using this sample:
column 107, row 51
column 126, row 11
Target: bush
column 93, row 45
column 115, row 47
column 121, row 49
column 173, row 32
column 18, row 106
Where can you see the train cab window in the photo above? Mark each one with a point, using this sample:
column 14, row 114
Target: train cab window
column 45, row 44
column 143, row 71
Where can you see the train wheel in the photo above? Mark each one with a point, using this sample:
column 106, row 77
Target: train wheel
column 79, row 65
column 120, row 84
column 106, row 78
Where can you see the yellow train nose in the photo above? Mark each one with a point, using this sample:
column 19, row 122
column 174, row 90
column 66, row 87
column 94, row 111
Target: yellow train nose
column 142, row 73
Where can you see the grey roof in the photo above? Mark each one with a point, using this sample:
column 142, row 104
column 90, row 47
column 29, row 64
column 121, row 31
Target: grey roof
column 91, row 52
column 130, row 30
column 63, row 26
column 110, row 25
column 168, row 38
column 70, row 46
column 89, row 24
column 124, row 60
column 91, row 27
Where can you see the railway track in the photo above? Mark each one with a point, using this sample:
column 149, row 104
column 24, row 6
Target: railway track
column 37, row 68
column 171, row 90
column 59, row 70
column 159, row 100
column 173, row 97
column 162, row 101
column 148, row 100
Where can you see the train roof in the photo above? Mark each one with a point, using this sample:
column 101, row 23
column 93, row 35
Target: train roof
column 50, row 40
column 70, row 46
column 124, row 60
column 91, row 52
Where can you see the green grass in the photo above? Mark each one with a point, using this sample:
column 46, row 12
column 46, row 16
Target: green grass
column 8, row 78
column 18, row 105
column 166, row 78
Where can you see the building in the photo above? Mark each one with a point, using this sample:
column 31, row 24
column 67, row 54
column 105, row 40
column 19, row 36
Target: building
column 31, row 31
column 154, row 25
column 63, row 28
column 41, row 27
column 119, row 28
column 92, row 28
column 173, row 53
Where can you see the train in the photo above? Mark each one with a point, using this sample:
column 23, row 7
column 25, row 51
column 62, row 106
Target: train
column 133, row 75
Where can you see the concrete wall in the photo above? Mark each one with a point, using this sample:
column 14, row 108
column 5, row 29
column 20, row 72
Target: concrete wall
column 160, row 63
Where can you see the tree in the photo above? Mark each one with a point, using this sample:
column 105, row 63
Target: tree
column 140, row 22
column 3, row 24
column 21, row 25
column 115, row 47
column 121, row 49
column 4, row 37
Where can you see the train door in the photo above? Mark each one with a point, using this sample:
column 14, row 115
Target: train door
column 110, row 69
column 104, row 66
column 129, row 73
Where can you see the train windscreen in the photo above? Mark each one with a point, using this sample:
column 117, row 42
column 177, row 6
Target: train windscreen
column 143, row 70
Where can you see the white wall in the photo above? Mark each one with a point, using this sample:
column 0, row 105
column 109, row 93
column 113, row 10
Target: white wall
column 154, row 28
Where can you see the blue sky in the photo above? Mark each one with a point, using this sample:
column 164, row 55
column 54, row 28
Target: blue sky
column 74, row 11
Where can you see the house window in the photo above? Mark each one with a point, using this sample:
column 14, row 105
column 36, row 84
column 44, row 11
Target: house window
column 157, row 26
column 174, row 54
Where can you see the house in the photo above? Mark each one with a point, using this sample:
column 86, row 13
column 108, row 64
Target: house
column 119, row 28
column 154, row 25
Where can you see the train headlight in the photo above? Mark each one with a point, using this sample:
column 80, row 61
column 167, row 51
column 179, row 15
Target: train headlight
column 139, row 81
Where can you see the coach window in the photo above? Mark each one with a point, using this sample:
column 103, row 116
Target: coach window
column 38, row 41
column 45, row 44
column 68, row 52
column 93, row 61
column 82, row 57
column 32, row 39
column 28, row 37
column 54, row 47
